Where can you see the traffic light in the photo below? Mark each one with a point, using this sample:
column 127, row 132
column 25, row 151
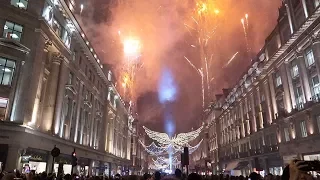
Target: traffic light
column 74, row 160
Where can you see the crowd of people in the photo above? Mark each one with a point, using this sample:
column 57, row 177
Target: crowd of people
column 296, row 170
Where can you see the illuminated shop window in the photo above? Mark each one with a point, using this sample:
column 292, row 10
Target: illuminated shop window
column 23, row 4
column 315, row 85
column 12, row 31
column 278, row 80
column 294, row 70
column 7, row 68
column 57, row 27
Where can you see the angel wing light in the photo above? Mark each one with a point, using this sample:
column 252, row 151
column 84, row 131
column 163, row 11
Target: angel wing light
column 179, row 140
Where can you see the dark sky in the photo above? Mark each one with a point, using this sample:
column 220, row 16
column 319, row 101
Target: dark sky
column 159, row 26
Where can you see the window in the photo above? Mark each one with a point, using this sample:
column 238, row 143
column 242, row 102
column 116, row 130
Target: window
column 12, row 31
column 3, row 108
column 303, row 129
column 294, row 70
column 67, row 39
column 109, row 76
column 318, row 122
column 70, row 78
column 286, row 134
column 48, row 13
column 263, row 98
column 23, row 4
column 57, row 27
column 278, row 80
column 74, row 55
column 315, row 85
column 7, row 68
column 299, row 95
column 310, row 58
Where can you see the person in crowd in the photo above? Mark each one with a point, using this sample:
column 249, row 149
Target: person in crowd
column 147, row 176
column 194, row 176
column 157, row 175
column 178, row 174
column 9, row 176
column 255, row 176
column 117, row 176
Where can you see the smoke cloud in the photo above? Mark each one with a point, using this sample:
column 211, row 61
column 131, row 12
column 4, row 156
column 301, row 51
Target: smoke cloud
column 159, row 25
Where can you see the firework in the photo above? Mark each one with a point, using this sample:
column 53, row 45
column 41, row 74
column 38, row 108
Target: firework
column 231, row 59
column 245, row 34
column 247, row 20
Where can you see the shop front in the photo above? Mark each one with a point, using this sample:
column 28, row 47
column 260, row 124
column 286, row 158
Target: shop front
column 3, row 155
column 63, row 162
column 34, row 160
column 83, row 166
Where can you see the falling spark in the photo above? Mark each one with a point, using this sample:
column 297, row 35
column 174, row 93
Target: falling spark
column 81, row 8
column 192, row 65
column 247, row 20
column 193, row 46
column 245, row 34
column 211, row 79
column 231, row 59
column 195, row 20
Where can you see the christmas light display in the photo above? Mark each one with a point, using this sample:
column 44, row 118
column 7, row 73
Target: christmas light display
column 166, row 161
column 177, row 141
column 155, row 150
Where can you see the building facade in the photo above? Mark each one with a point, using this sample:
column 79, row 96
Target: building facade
column 54, row 91
column 272, row 115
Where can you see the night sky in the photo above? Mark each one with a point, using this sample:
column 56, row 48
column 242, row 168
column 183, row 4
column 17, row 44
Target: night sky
column 159, row 25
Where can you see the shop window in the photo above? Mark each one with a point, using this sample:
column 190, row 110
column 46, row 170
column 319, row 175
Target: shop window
column 7, row 68
column 12, row 31
column 3, row 108
column 23, row 4
column 310, row 58
column 286, row 134
column 303, row 129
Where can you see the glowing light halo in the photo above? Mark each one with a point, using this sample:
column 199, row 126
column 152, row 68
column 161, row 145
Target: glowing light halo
column 131, row 46
column 179, row 140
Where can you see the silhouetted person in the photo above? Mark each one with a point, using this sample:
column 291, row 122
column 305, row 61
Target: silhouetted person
column 178, row 174
column 147, row 176
column 194, row 176
column 255, row 176
column 157, row 175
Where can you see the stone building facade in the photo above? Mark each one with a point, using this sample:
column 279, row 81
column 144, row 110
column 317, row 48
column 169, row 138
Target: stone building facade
column 272, row 115
column 55, row 91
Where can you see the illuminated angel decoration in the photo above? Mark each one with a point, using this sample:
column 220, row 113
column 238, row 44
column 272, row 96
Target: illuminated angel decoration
column 177, row 141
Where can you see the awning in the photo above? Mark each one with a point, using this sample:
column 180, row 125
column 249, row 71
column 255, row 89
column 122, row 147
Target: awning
column 232, row 165
column 242, row 165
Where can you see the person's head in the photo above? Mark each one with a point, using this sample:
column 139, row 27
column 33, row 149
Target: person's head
column 178, row 173
column 194, row 176
column 254, row 176
column 9, row 176
column 147, row 176
column 117, row 176
column 157, row 175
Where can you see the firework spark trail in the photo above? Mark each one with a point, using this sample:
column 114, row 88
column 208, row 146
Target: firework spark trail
column 247, row 21
column 231, row 59
column 207, row 74
column 200, row 72
column 245, row 34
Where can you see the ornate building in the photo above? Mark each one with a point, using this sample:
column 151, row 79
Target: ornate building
column 272, row 115
column 54, row 91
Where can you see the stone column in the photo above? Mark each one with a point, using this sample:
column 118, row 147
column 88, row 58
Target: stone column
column 52, row 87
column 273, row 98
column 305, row 9
column 290, row 18
column 60, row 96
column 13, row 157
column 79, row 102
column 316, row 51
column 253, row 111
column 289, row 99
column 267, row 87
column 304, row 77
